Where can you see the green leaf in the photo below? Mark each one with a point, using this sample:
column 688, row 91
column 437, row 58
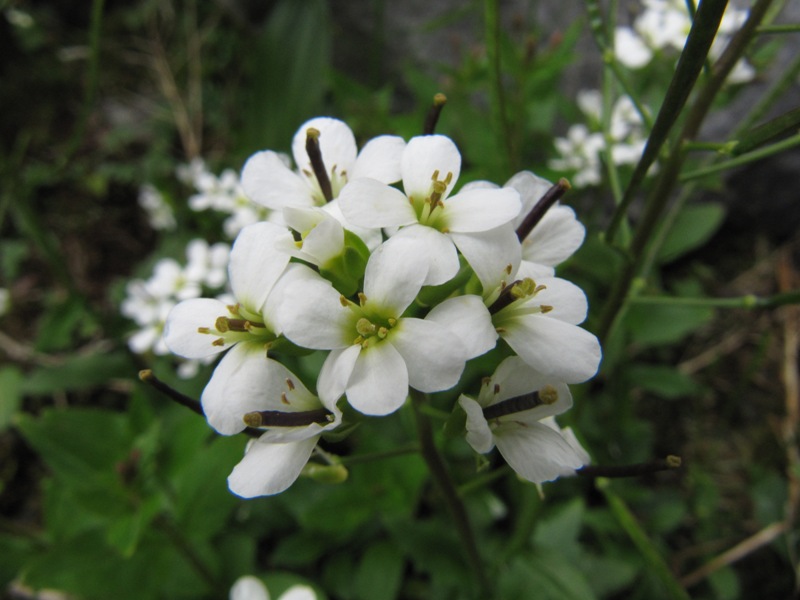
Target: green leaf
column 78, row 373
column 551, row 574
column 10, row 394
column 663, row 324
column 693, row 227
column 81, row 446
column 290, row 73
column 661, row 380
column 380, row 572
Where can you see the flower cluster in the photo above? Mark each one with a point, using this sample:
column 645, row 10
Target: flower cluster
column 148, row 302
column 221, row 193
column 379, row 261
column 664, row 25
column 581, row 152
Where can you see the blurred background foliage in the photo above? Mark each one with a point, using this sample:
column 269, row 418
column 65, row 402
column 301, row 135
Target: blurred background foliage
column 109, row 491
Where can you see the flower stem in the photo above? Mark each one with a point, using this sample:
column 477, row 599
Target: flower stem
column 444, row 482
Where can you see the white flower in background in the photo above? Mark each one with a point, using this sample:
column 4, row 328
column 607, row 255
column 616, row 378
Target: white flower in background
column 207, row 264
column 264, row 393
column 665, row 24
column 159, row 212
column 222, row 193
column 269, row 181
column 579, row 153
column 200, row 328
column 425, row 212
column 514, row 411
column 252, row 588
column 376, row 352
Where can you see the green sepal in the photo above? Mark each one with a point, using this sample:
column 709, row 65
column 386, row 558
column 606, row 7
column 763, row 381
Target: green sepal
column 346, row 271
column 281, row 345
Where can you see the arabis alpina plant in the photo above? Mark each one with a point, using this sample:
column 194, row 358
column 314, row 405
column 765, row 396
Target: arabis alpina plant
column 394, row 290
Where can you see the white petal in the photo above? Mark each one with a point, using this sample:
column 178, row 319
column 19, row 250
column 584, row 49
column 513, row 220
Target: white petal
column 311, row 314
column 241, row 383
column 249, row 588
column 557, row 349
column 336, row 143
column 268, row 181
column 371, row 236
column 431, row 248
column 434, row 356
column 555, row 238
column 324, row 242
column 299, row 592
column 257, row 260
column 531, row 188
column 469, row 319
column 335, row 373
column 490, row 254
column 567, row 299
column 515, row 377
column 268, row 469
column 423, row 156
column 536, row 452
column 380, row 159
column 480, row 210
column 394, row 276
column 379, row 382
column 369, row 203
column 479, row 435
column 180, row 331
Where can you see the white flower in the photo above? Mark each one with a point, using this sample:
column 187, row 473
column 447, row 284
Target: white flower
column 629, row 49
column 376, row 352
column 206, row 264
column 252, row 588
column 425, row 212
column 159, row 213
column 269, row 181
column 202, row 327
column 273, row 461
column 522, row 428
column 539, row 321
column 579, row 152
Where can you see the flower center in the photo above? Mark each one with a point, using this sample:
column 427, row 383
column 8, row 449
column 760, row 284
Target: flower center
column 370, row 328
column 240, row 325
column 429, row 209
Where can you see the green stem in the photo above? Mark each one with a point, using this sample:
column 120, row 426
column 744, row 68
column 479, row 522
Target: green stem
column 748, row 301
column 707, row 20
column 500, row 116
column 775, row 92
column 185, row 549
column 482, row 480
column 790, row 28
column 650, row 554
column 444, row 482
column 743, row 159
column 704, row 28
column 358, row 459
